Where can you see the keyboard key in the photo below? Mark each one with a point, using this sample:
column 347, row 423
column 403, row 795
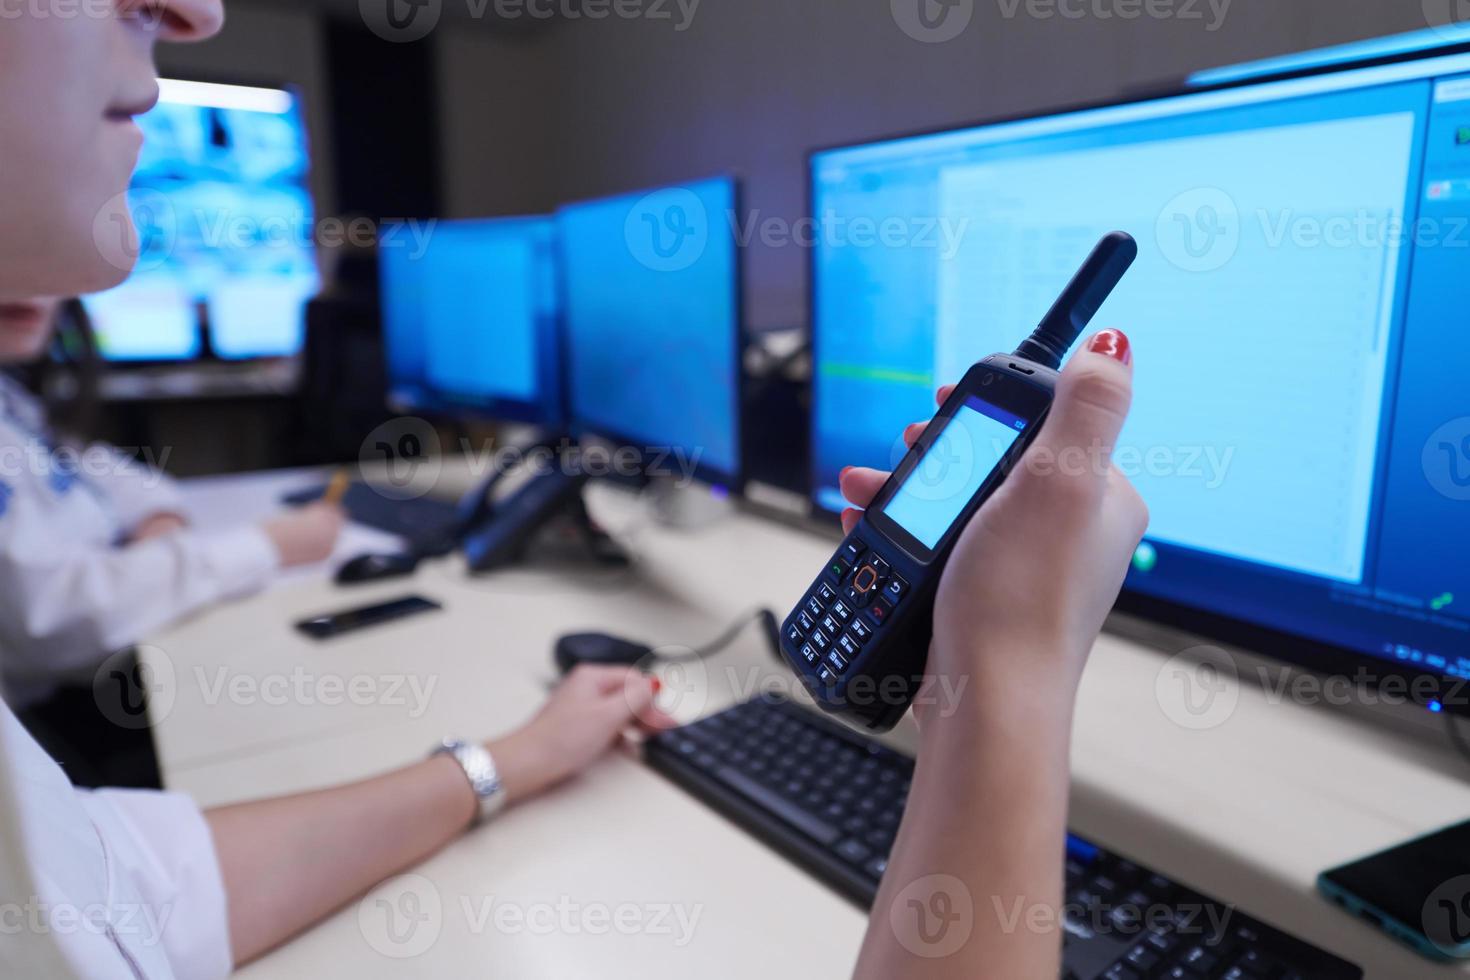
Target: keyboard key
column 841, row 610
column 838, row 568
column 808, row 823
column 794, row 634
column 831, row 625
column 808, row 654
column 848, row 646
column 860, row 631
column 825, row 593
column 820, row 641
column 854, row 851
column 895, row 590
column 805, row 621
column 879, row 612
column 814, row 607
column 836, row 662
column 876, row 867
column 851, row 551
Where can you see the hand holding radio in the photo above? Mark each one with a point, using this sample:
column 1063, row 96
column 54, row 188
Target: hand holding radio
column 1034, row 573
column 859, row 637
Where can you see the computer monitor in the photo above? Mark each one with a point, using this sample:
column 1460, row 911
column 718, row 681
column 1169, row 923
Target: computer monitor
column 652, row 294
column 470, row 323
column 1300, row 428
column 227, row 256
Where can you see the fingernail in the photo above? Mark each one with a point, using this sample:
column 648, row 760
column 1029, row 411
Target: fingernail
column 658, row 685
column 1113, row 343
column 844, row 472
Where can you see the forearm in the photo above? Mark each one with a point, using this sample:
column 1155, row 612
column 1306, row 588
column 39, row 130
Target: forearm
column 289, row 861
column 987, row 811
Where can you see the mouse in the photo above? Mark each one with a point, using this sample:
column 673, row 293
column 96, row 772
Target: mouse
column 376, row 567
column 597, row 648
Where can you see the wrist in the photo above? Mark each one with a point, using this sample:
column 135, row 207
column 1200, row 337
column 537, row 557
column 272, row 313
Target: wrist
column 523, row 764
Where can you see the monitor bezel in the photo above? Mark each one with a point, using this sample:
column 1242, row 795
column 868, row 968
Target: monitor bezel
column 731, row 482
column 208, row 355
column 549, row 412
column 1452, row 694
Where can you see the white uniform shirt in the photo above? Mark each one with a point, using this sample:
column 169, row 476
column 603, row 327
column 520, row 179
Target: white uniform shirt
column 106, row 884
column 71, row 592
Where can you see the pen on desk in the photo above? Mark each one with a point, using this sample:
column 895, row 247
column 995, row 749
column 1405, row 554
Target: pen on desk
column 336, row 488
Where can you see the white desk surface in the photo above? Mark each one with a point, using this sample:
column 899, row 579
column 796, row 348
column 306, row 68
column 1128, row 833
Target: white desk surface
column 1249, row 811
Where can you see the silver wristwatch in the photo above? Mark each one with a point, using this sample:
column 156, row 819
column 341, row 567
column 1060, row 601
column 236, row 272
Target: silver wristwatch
column 479, row 769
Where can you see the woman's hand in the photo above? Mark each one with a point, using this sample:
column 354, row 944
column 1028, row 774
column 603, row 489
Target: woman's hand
column 307, row 534
column 583, row 718
column 1035, row 572
column 157, row 525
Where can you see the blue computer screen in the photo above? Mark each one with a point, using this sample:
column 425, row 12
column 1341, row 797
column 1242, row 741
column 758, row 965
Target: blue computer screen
column 470, row 317
column 226, row 230
column 652, row 319
column 1301, row 429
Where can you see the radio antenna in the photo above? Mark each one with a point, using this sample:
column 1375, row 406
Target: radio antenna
column 1079, row 302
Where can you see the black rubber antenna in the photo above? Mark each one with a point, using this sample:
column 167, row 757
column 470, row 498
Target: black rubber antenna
column 1079, row 302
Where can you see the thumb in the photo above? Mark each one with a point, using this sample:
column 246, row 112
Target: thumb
column 1091, row 404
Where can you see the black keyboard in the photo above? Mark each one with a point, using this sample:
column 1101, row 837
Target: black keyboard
column 421, row 520
column 831, row 800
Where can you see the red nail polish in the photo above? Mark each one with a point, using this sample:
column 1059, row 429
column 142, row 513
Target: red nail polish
column 1113, row 343
column 658, row 685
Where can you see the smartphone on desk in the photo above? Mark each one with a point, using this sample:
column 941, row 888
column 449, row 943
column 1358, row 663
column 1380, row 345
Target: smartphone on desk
column 1418, row 893
column 335, row 624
